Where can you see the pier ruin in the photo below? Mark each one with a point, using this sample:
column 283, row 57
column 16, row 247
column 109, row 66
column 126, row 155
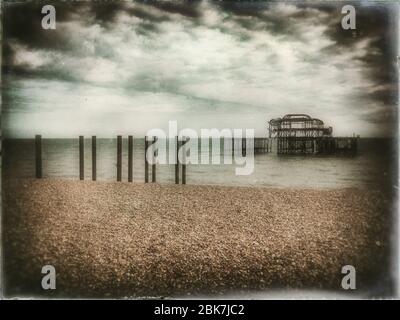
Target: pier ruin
column 302, row 134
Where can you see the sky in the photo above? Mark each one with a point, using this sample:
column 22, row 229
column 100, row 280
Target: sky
column 123, row 67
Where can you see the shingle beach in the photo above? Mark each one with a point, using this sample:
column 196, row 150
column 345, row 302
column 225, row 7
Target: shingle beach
column 113, row 239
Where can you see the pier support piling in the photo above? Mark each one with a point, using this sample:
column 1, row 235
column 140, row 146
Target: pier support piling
column 153, row 165
column 119, row 158
column 94, row 162
column 243, row 147
column 81, row 158
column 130, row 158
column 146, row 164
column 185, row 140
column 176, row 160
column 38, row 156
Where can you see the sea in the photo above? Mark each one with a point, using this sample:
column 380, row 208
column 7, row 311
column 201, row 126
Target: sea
column 374, row 165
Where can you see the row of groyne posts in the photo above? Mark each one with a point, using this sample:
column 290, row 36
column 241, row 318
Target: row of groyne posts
column 147, row 144
column 261, row 147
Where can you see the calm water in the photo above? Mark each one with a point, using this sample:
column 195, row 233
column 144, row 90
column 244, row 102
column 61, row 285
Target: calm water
column 373, row 165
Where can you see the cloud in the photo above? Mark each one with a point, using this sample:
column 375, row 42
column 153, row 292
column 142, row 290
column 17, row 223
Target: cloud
column 240, row 63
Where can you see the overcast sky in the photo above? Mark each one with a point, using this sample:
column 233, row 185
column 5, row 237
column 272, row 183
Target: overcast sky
column 124, row 67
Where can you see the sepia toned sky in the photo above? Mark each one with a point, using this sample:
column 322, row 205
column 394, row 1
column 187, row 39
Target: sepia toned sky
column 123, row 67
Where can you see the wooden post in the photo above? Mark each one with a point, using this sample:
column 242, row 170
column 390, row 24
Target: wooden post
column 222, row 147
column 243, row 147
column 81, row 158
column 146, row 164
column 119, row 158
column 233, row 146
column 185, row 140
column 153, row 165
column 94, row 163
column 177, row 160
column 130, row 158
column 38, row 155
column 356, row 144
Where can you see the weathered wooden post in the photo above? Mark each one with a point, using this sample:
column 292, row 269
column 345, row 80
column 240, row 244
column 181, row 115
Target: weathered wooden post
column 153, row 165
column 177, row 160
column 222, row 147
column 146, row 164
column 81, row 158
column 356, row 143
column 38, row 155
column 243, row 147
column 185, row 140
column 94, row 163
column 119, row 158
column 130, row 158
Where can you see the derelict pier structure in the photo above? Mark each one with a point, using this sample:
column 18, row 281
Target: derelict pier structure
column 302, row 134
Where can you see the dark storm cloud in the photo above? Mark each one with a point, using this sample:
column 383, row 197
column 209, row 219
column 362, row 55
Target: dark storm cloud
column 188, row 9
column 253, row 9
column 105, row 12
column 22, row 21
column 252, row 17
column 373, row 22
column 387, row 95
column 378, row 23
column 383, row 117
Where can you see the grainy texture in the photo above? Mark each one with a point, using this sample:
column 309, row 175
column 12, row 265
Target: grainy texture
column 124, row 239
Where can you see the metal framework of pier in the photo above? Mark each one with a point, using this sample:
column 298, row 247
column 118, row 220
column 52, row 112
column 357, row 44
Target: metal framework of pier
column 302, row 134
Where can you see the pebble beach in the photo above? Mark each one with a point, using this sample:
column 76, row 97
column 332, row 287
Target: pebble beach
column 117, row 239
